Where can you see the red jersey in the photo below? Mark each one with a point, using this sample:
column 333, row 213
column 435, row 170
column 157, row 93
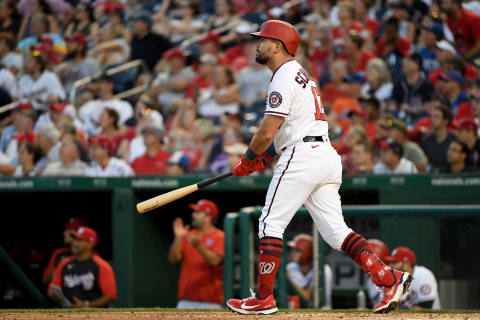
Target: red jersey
column 403, row 45
column 199, row 281
column 146, row 165
column 87, row 280
column 466, row 30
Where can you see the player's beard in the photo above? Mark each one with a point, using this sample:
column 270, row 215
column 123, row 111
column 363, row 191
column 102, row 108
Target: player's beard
column 260, row 58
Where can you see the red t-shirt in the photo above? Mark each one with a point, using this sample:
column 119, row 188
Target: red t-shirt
column 372, row 26
column 403, row 45
column 200, row 281
column 466, row 30
column 146, row 165
column 362, row 64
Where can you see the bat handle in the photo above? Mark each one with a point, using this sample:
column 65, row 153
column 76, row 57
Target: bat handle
column 214, row 179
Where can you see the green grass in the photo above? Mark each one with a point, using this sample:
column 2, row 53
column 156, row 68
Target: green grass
column 221, row 310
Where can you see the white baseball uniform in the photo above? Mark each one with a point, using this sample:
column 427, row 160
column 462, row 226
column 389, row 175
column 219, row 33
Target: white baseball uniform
column 307, row 173
column 424, row 288
column 305, row 281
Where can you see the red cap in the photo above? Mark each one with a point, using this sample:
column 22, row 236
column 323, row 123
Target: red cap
column 79, row 38
column 24, row 105
column 58, row 106
column 28, row 136
column 211, row 37
column 304, row 243
column 468, row 123
column 401, row 254
column 86, row 233
column 174, row 52
column 103, row 141
column 207, row 206
column 74, row 223
column 46, row 39
column 379, row 248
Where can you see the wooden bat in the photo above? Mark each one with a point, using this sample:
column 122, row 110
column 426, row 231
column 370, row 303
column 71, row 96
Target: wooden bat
column 168, row 197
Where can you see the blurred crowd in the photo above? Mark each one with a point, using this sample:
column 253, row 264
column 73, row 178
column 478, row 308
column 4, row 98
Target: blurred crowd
column 399, row 82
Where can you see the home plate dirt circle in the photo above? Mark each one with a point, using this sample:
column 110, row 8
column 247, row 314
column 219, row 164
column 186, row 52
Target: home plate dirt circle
column 193, row 315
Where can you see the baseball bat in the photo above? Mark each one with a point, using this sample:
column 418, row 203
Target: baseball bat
column 168, row 197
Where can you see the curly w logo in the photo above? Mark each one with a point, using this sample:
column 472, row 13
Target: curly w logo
column 266, row 267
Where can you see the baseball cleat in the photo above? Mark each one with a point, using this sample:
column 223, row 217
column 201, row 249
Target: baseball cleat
column 252, row 305
column 393, row 294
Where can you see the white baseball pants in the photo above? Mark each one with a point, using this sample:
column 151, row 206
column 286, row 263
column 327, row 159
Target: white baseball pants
column 310, row 174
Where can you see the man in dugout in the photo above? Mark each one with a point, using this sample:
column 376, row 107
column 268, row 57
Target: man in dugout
column 83, row 280
column 201, row 251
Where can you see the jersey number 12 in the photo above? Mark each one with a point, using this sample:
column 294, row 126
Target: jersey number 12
column 319, row 112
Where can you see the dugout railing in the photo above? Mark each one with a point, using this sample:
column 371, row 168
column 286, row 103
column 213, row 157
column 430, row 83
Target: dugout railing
column 415, row 226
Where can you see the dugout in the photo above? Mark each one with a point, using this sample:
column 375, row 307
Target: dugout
column 137, row 245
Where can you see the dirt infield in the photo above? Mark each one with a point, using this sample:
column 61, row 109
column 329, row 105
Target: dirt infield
column 193, row 315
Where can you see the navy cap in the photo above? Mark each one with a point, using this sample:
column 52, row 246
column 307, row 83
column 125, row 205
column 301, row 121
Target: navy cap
column 454, row 76
column 354, row 78
column 436, row 29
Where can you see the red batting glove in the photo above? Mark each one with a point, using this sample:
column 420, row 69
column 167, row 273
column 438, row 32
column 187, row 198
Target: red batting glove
column 244, row 167
column 266, row 159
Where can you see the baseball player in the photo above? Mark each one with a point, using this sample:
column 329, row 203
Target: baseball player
column 382, row 251
column 423, row 292
column 308, row 172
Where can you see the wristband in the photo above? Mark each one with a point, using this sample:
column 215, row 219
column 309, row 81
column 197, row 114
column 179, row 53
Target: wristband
column 250, row 155
column 271, row 150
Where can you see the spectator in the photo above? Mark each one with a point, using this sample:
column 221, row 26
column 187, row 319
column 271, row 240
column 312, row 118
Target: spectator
column 90, row 112
column 356, row 56
column 430, row 36
column 112, row 48
column 71, row 226
column 423, row 293
column 363, row 158
column 83, row 280
column 406, row 27
column 300, row 270
column 378, row 83
column 452, row 90
column 146, row 45
column 201, row 251
column 9, row 18
column 77, row 65
column 105, row 165
column 171, row 83
column 55, row 111
column 391, row 47
column 23, row 120
column 253, row 81
column 155, row 159
column 412, row 91
column 178, row 164
column 412, row 151
column 28, row 156
column 108, row 124
column 458, row 158
column 468, row 134
column 70, row 163
column 8, row 57
column 8, row 82
column 83, row 22
column 338, row 71
column 392, row 160
column 38, row 83
column 346, row 16
column 200, row 88
column 435, row 145
column 48, row 140
column 465, row 26
column 39, row 26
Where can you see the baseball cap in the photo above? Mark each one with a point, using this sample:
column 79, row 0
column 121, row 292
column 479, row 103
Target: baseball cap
column 24, row 105
column 301, row 241
column 453, row 76
column 86, row 233
column 79, row 38
column 174, row 52
column 74, row 223
column 396, row 147
column 207, row 206
column 436, row 29
column 58, row 106
column 211, row 37
column 468, row 123
column 25, row 136
column 103, row 141
column 236, row 149
column 401, row 254
column 179, row 158
column 358, row 112
column 208, row 58
column 447, row 46
column 399, row 125
column 354, row 78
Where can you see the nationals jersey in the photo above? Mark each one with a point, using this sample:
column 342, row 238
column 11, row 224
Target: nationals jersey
column 424, row 289
column 294, row 95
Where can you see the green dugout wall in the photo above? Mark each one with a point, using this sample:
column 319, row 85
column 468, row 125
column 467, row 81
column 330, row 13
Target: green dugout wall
column 137, row 245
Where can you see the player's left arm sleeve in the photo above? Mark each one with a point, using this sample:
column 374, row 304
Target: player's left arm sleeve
column 280, row 98
column 219, row 245
column 106, row 281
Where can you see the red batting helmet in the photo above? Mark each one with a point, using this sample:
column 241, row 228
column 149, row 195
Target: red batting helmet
column 282, row 31
column 379, row 248
column 304, row 243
